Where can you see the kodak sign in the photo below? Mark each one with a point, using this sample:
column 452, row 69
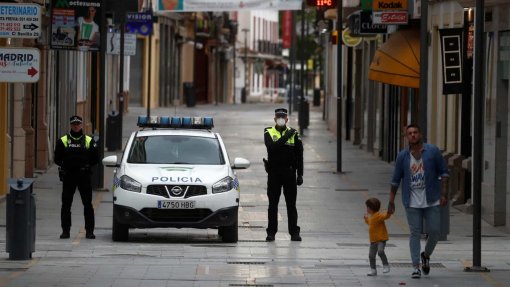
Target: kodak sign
column 389, row 5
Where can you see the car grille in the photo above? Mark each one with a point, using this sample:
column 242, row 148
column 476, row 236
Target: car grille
column 176, row 215
column 164, row 190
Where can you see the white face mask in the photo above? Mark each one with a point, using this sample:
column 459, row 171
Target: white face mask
column 280, row 122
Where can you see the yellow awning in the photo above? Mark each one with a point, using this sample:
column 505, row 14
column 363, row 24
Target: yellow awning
column 397, row 61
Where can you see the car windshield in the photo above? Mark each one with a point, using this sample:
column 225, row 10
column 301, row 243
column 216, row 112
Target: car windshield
column 170, row 149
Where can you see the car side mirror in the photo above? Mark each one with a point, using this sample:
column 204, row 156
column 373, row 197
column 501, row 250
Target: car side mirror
column 111, row 161
column 240, row 163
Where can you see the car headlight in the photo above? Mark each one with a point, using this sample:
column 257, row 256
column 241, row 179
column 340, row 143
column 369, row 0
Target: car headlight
column 223, row 185
column 130, row 184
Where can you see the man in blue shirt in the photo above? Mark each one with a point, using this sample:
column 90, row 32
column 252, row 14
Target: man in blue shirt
column 424, row 175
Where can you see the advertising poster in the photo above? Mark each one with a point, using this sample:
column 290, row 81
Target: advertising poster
column 75, row 24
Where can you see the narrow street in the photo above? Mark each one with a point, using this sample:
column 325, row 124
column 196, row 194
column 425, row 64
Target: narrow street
column 334, row 250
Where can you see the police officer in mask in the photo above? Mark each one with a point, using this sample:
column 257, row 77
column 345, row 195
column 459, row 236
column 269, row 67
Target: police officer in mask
column 76, row 153
column 285, row 158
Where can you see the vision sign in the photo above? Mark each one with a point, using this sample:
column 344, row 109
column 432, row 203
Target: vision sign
column 20, row 20
column 19, row 65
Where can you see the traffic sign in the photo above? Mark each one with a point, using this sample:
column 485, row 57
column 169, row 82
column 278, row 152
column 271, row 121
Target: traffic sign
column 19, row 65
column 20, row 20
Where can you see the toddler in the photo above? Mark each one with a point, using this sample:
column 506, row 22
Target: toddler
column 378, row 234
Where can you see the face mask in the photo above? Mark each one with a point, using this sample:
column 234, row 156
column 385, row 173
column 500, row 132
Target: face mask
column 280, row 122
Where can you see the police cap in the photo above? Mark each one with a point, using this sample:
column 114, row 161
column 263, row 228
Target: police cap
column 75, row 120
column 280, row 112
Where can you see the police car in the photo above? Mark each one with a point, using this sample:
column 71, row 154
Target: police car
column 175, row 172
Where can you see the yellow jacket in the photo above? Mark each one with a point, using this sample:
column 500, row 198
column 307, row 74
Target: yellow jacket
column 376, row 227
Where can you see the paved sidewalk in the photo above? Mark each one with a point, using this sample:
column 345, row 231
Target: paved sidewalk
column 333, row 252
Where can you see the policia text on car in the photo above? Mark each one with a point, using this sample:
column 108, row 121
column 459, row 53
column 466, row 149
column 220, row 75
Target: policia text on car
column 285, row 158
column 76, row 153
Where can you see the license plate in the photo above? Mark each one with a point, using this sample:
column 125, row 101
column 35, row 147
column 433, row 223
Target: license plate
column 166, row 204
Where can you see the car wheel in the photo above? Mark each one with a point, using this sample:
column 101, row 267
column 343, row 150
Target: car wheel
column 229, row 234
column 120, row 232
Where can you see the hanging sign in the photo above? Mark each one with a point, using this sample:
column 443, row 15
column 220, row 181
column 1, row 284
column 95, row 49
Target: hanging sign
column 228, row 5
column 390, row 17
column 348, row 40
column 139, row 23
column 19, row 65
column 389, row 5
column 113, row 44
column 451, row 50
column 20, row 20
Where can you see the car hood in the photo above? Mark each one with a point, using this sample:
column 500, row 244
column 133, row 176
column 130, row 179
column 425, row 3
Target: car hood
column 177, row 174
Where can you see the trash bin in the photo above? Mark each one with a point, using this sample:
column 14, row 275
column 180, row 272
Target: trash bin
column 316, row 97
column 20, row 220
column 243, row 95
column 189, row 94
column 113, row 131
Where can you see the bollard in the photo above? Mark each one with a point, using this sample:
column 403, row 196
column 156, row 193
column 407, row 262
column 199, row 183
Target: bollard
column 20, row 220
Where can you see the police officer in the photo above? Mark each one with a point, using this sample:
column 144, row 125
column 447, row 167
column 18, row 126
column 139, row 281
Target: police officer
column 285, row 157
column 76, row 153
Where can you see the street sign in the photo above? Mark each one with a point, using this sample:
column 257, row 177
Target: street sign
column 20, row 20
column 19, row 65
column 113, row 44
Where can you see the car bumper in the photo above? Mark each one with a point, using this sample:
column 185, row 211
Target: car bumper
column 193, row 218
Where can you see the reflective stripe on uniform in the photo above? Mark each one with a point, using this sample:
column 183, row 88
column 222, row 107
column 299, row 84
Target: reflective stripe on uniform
column 276, row 135
column 65, row 141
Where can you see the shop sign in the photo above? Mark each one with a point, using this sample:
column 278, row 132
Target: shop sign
column 139, row 23
column 389, row 5
column 451, row 50
column 366, row 5
column 113, row 44
column 75, row 25
column 368, row 27
column 20, row 20
column 349, row 40
column 390, row 17
column 19, row 65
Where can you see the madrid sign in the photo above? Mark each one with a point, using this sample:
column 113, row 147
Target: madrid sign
column 19, row 65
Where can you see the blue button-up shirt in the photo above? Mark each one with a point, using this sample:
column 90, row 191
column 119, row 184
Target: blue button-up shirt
column 435, row 168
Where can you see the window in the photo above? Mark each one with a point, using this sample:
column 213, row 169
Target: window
column 176, row 150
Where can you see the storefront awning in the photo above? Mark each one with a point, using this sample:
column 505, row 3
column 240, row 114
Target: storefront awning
column 397, row 61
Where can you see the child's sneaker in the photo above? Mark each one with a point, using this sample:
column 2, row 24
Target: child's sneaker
column 373, row 272
column 386, row 269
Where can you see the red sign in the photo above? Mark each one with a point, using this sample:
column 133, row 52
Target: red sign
column 286, row 29
column 390, row 17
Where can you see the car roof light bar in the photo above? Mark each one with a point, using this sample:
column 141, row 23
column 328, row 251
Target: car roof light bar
column 175, row 122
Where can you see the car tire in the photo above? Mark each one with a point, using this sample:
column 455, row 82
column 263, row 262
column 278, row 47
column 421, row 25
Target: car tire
column 120, row 232
column 229, row 234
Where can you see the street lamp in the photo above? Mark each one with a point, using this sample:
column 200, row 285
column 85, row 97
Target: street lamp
column 245, row 89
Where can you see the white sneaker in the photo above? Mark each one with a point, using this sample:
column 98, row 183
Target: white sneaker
column 386, row 269
column 373, row 272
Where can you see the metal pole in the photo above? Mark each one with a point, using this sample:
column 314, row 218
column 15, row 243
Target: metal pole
column 339, row 87
column 348, row 104
column 302, row 71
column 234, row 67
column 149, row 66
column 102, row 86
column 478, row 106
column 121, row 79
column 292, row 62
column 244, row 92
column 424, row 60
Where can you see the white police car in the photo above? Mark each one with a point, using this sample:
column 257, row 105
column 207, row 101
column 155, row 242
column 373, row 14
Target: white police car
column 175, row 172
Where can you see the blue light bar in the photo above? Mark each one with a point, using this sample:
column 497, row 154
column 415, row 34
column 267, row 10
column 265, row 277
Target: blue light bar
column 175, row 122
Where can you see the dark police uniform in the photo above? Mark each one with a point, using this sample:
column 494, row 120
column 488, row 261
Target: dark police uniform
column 285, row 157
column 76, row 153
